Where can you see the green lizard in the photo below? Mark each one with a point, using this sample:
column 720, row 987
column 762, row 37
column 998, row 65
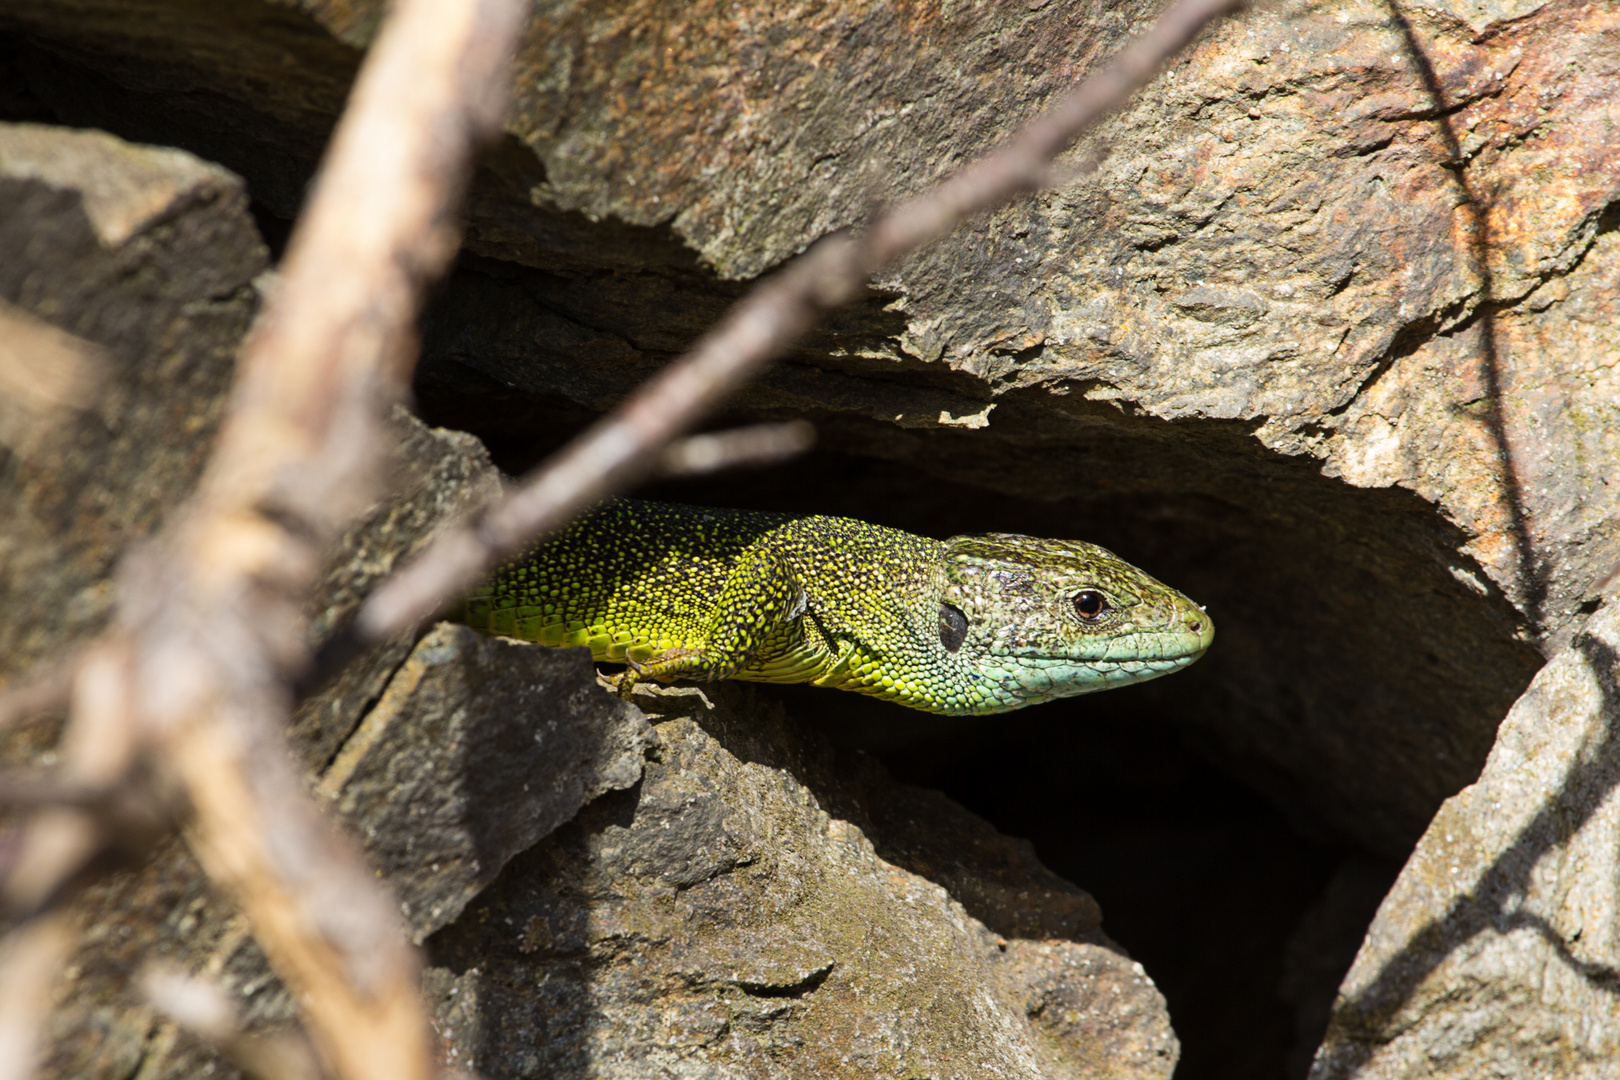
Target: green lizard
column 973, row 624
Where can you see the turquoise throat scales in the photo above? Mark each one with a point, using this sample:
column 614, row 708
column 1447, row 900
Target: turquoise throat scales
column 973, row 624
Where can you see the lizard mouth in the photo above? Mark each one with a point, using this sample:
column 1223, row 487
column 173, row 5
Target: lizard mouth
column 1180, row 643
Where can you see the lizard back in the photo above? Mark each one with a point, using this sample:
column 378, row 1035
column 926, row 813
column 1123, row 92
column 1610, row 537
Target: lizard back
column 635, row 579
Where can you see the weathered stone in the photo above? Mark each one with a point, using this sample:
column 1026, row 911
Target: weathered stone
column 1324, row 340
column 1497, row 950
column 477, row 748
column 138, row 261
column 1513, row 422
column 718, row 920
column 434, row 476
column 1273, row 233
column 125, row 286
column 102, row 1029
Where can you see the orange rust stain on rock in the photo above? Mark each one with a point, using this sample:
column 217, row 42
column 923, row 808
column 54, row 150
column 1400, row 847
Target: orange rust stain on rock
column 1538, row 141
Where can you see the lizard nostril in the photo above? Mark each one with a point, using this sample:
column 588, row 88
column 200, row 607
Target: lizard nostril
column 1195, row 626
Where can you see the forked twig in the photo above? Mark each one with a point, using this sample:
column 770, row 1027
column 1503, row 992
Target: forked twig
column 210, row 634
column 624, row 446
column 194, row 677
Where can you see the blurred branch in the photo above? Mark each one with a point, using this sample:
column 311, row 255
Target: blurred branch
column 31, row 959
column 98, row 752
column 44, row 690
column 203, row 1007
column 215, row 609
column 46, row 787
column 55, row 847
column 45, row 372
column 193, row 678
column 625, row 445
column 760, row 444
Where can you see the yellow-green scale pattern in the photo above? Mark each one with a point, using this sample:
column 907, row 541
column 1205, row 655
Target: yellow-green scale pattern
column 700, row 593
column 974, row 624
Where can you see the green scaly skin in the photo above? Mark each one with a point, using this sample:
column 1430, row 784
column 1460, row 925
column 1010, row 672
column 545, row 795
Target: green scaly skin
column 969, row 625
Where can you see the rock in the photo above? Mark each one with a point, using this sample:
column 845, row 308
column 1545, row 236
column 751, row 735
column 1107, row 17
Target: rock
column 135, row 264
column 1495, row 952
column 1273, row 254
column 435, row 476
column 719, row 920
column 408, row 712
column 125, row 287
column 477, row 748
column 1322, row 340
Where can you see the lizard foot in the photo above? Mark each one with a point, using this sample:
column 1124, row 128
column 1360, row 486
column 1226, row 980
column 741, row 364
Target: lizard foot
column 625, row 681
column 666, row 667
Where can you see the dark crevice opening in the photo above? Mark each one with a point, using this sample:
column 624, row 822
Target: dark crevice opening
column 1211, row 863
column 1188, row 806
column 1244, row 900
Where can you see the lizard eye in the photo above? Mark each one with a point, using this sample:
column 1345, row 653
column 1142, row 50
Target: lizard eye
column 952, row 627
column 1090, row 605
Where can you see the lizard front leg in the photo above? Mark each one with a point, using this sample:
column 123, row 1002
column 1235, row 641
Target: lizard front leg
column 759, row 598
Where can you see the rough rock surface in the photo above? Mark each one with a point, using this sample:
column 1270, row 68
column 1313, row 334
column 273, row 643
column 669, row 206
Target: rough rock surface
column 731, row 917
column 434, row 782
column 1327, row 340
column 435, row 476
column 133, row 264
column 1293, row 246
column 446, row 762
column 475, row 749
column 1497, row 951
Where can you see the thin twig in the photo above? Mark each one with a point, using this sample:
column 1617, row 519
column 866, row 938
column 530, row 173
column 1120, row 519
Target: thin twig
column 31, row 960
column 203, row 1007
column 624, row 446
column 759, row 444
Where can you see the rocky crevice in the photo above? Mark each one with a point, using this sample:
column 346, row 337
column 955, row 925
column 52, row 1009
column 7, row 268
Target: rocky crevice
column 1265, row 351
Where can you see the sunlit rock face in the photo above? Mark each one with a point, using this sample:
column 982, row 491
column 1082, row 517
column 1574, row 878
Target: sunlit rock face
column 1325, row 340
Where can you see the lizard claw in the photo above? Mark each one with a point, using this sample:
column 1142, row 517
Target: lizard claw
column 626, row 680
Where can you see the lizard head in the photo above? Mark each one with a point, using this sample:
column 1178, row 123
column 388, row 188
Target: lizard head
column 1044, row 619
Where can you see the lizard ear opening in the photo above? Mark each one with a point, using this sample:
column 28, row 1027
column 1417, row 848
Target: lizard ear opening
column 953, row 627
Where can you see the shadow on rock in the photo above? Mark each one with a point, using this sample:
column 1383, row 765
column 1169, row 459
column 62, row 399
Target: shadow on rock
column 763, row 905
column 1497, row 946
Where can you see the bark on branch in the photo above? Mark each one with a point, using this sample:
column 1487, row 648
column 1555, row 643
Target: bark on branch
column 210, row 632
column 195, row 680
column 624, row 446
